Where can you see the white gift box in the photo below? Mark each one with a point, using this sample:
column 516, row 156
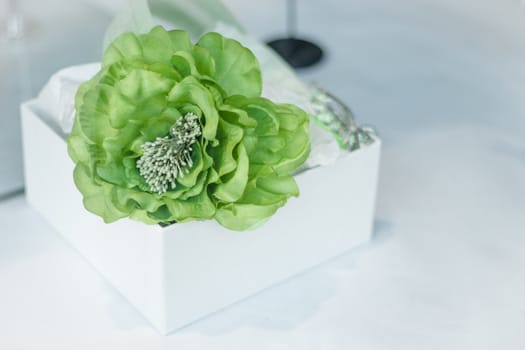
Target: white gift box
column 177, row 274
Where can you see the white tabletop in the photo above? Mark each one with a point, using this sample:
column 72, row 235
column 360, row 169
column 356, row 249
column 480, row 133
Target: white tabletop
column 444, row 84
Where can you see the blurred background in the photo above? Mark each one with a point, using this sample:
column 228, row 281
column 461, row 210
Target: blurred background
column 401, row 65
column 442, row 81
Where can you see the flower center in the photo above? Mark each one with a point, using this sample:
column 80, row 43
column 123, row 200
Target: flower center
column 169, row 157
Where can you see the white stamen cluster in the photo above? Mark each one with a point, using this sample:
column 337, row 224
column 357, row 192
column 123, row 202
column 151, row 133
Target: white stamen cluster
column 169, row 157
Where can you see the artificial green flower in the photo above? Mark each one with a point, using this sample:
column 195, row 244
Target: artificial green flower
column 169, row 131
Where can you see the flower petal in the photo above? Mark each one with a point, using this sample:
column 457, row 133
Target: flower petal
column 236, row 68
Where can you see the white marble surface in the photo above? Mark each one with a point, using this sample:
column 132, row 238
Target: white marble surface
column 444, row 83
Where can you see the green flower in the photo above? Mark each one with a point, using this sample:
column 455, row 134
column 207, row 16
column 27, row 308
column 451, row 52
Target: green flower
column 169, row 131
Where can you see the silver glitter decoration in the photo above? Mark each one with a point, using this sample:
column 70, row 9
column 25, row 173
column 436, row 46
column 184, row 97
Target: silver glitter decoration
column 169, row 157
column 334, row 115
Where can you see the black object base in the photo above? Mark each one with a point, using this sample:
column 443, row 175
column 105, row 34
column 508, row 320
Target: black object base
column 297, row 52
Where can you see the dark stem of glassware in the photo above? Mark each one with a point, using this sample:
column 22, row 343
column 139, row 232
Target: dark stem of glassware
column 299, row 53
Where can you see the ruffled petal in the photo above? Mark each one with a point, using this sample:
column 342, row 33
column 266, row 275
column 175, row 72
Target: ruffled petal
column 232, row 188
column 236, row 68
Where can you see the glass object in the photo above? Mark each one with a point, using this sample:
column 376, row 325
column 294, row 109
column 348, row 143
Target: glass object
column 337, row 118
column 11, row 20
column 298, row 53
